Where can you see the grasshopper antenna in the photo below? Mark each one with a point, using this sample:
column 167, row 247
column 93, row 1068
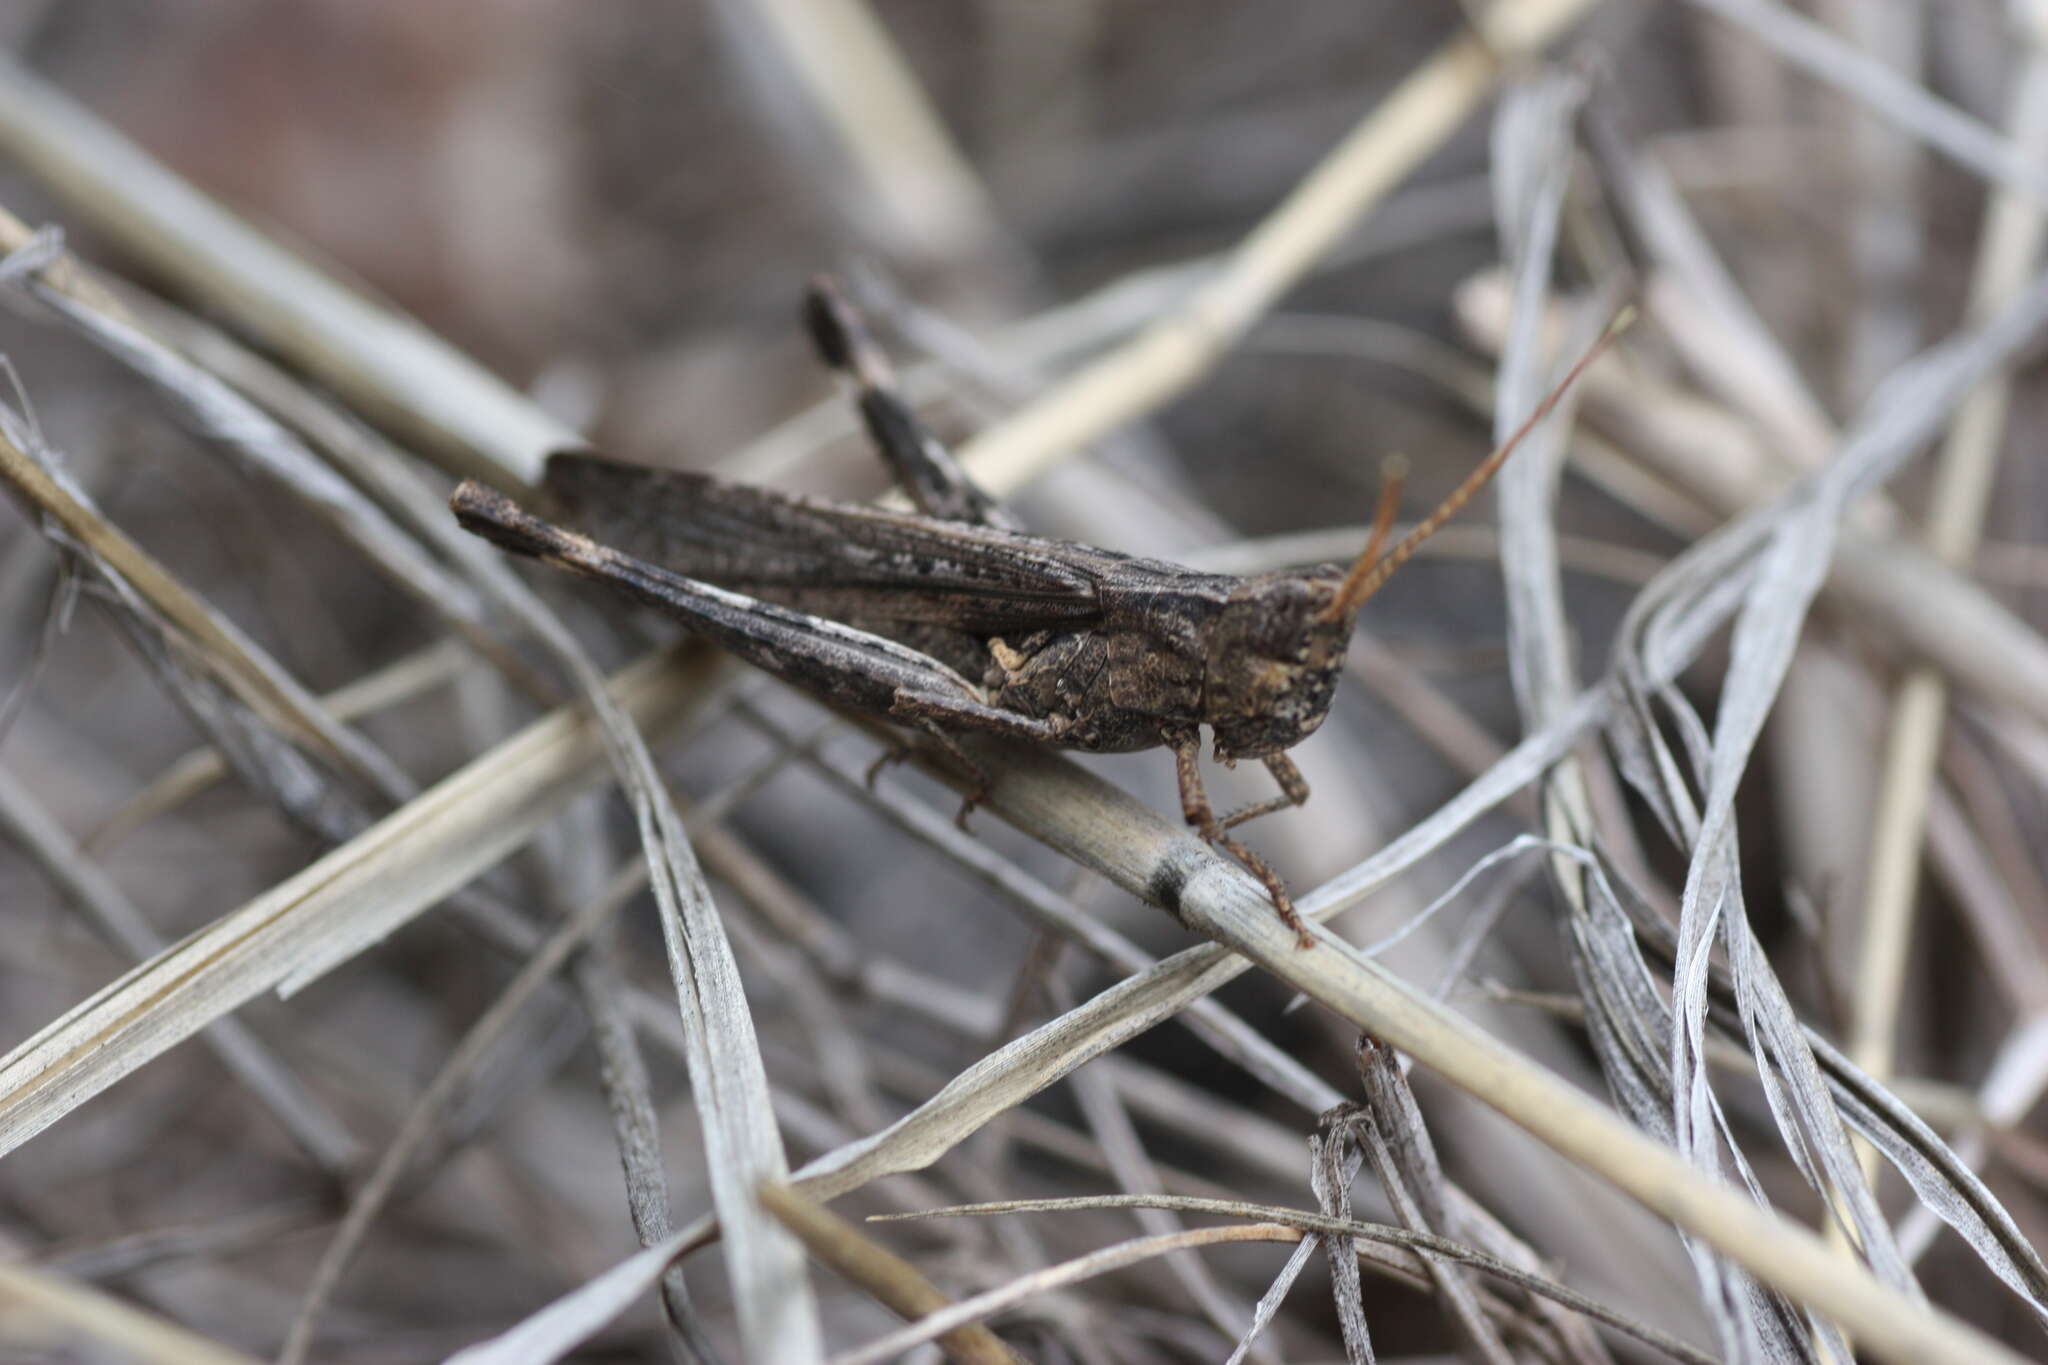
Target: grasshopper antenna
column 1393, row 473
column 1372, row 570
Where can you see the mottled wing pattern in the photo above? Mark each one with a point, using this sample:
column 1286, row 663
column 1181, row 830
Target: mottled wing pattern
column 832, row 559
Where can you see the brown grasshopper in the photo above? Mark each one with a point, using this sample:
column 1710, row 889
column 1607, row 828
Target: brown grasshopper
column 952, row 620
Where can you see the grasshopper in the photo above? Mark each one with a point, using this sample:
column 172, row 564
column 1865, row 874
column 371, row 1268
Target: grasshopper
column 952, row 620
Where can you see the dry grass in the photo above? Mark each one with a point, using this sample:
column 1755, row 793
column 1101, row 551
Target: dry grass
column 1746, row 690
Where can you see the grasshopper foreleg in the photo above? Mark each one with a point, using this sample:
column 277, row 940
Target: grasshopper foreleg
column 1201, row 817
column 1293, row 791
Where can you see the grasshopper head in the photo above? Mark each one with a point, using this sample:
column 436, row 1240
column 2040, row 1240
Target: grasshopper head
column 1280, row 639
column 1273, row 668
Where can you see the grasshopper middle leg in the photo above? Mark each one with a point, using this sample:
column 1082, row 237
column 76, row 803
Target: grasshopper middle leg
column 938, row 714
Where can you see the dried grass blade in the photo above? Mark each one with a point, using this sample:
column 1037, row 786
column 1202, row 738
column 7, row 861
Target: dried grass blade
column 227, row 654
column 891, row 1279
column 1397, row 1143
column 1946, row 1186
column 1533, row 151
column 337, row 906
column 1103, row 1262
column 430, row 1109
column 2009, row 251
column 311, row 1124
column 1723, row 340
column 629, row 1095
column 1269, row 1303
column 577, row 1316
column 41, row 1306
column 1885, row 92
column 1072, row 812
column 224, row 418
column 385, row 364
column 1415, row 1242
column 1176, row 350
column 1110, row 1123
column 1789, row 569
column 729, row 1083
column 198, row 769
column 380, row 361
column 1333, row 1162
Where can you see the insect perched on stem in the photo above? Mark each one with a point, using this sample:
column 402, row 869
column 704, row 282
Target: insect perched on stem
column 951, row 620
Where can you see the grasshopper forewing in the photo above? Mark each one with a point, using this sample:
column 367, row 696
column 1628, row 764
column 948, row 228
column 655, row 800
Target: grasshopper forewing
column 836, row 662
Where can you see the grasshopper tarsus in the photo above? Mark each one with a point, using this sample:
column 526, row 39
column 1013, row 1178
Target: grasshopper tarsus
column 1283, row 904
column 1291, row 917
column 886, row 759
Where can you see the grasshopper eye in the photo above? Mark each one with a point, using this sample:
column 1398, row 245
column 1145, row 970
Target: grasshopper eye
column 1280, row 635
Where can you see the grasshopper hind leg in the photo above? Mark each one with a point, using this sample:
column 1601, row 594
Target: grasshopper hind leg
column 922, row 464
column 1201, row 817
